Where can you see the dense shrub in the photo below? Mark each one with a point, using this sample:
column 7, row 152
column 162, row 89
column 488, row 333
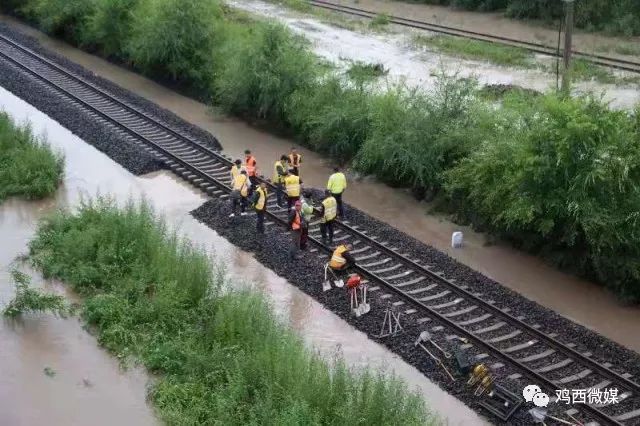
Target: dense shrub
column 262, row 71
column 220, row 356
column 109, row 26
column 28, row 166
column 562, row 181
column 414, row 136
column 64, row 18
column 175, row 38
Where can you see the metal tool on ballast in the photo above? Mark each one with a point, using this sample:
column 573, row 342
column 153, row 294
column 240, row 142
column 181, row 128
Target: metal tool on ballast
column 326, row 284
column 425, row 336
column 391, row 323
column 419, row 341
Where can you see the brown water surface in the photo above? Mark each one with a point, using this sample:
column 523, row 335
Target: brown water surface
column 89, row 387
column 575, row 298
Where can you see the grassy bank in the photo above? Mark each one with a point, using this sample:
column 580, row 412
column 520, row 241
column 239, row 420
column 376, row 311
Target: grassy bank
column 219, row 355
column 29, row 168
column 406, row 137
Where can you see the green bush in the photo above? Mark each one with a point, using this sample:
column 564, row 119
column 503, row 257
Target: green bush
column 63, row 18
column 414, row 136
column 175, row 39
column 219, row 355
column 109, row 26
column 332, row 117
column 562, row 181
column 28, row 166
column 261, row 71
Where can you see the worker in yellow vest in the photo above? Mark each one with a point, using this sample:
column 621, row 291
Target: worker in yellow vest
column 279, row 173
column 336, row 185
column 259, row 202
column 292, row 185
column 341, row 259
column 239, row 193
column 295, row 160
column 328, row 210
column 235, row 171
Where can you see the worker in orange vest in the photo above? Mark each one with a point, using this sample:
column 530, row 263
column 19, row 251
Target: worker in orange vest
column 295, row 160
column 297, row 227
column 251, row 166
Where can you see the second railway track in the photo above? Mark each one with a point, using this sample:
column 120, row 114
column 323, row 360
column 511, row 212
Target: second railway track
column 418, row 289
column 605, row 61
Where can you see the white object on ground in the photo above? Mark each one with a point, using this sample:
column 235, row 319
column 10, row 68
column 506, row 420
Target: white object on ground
column 456, row 239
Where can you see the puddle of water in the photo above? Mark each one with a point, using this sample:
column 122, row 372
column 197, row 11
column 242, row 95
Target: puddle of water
column 86, row 373
column 413, row 66
column 577, row 299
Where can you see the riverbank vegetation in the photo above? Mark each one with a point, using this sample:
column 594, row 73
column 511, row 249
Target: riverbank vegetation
column 219, row 354
column 29, row 168
column 430, row 141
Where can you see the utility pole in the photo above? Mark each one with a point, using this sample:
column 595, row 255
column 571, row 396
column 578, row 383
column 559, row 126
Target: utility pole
column 568, row 33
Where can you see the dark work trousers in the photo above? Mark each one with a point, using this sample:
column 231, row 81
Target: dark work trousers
column 304, row 238
column 327, row 228
column 280, row 193
column 338, row 198
column 291, row 201
column 237, row 198
column 295, row 243
column 260, row 221
column 254, row 184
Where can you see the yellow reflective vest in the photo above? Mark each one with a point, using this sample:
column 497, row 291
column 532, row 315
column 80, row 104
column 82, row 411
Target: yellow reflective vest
column 337, row 261
column 262, row 198
column 337, row 183
column 330, row 208
column 292, row 185
column 235, row 171
column 277, row 177
column 240, row 183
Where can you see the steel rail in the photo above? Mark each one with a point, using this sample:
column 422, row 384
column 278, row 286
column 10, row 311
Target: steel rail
column 606, row 61
column 205, row 175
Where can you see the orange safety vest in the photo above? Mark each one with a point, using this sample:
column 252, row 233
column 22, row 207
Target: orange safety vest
column 337, row 261
column 295, row 159
column 296, row 222
column 250, row 165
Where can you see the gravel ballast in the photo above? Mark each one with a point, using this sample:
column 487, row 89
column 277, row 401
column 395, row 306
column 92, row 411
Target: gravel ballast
column 108, row 139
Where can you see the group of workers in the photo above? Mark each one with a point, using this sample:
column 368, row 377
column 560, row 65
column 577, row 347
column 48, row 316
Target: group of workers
column 248, row 189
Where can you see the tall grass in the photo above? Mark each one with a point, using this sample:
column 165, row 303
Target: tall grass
column 28, row 166
column 220, row 355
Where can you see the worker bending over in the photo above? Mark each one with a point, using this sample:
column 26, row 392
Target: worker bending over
column 295, row 160
column 342, row 259
column 259, row 202
column 307, row 206
column 298, row 234
column 336, row 185
column 292, row 186
column 328, row 210
column 251, row 165
column 279, row 173
column 239, row 193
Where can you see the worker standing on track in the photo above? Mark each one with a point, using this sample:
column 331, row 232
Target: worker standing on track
column 235, row 171
column 295, row 160
column 298, row 241
column 329, row 212
column 259, row 201
column 251, row 165
column 239, row 193
column 279, row 173
column 336, row 185
column 307, row 206
column 342, row 259
column 292, row 186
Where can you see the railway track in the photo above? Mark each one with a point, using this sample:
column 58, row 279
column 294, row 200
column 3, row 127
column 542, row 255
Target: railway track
column 606, row 61
column 532, row 354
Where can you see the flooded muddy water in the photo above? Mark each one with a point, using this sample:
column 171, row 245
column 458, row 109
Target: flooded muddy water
column 88, row 387
column 577, row 299
column 417, row 67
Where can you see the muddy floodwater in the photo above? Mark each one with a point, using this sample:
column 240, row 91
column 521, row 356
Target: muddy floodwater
column 88, row 386
column 575, row 298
